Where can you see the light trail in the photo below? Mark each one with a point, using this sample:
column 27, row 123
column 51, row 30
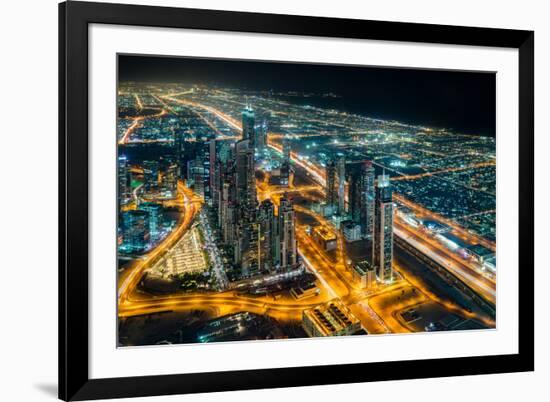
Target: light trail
column 136, row 124
column 486, row 290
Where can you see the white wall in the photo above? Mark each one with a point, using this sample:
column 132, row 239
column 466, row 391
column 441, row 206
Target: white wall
column 28, row 222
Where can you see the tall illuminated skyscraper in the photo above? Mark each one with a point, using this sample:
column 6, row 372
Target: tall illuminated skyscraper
column 196, row 176
column 204, row 161
column 214, row 175
column 285, row 164
column 341, row 166
column 331, row 193
column 286, row 149
column 368, row 201
column 354, row 176
column 247, row 203
column 170, row 178
column 261, row 136
column 135, row 237
column 287, row 223
column 248, row 125
column 220, row 153
column 383, row 231
column 267, row 235
column 124, row 180
column 151, row 176
column 155, row 219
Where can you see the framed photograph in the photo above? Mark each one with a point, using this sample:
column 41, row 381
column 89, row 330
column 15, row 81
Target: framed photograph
column 257, row 201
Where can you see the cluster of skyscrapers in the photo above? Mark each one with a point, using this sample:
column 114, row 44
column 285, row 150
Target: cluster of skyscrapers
column 261, row 237
column 365, row 209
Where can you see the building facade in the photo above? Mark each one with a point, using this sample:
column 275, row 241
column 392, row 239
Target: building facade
column 248, row 125
column 135, row 226
column 287, row 223
column 124, row 181
column 331, row 193
column 151, row 177
column 383, row 233
column 341, row 167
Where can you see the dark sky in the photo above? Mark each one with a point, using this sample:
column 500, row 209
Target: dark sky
column 462, row 101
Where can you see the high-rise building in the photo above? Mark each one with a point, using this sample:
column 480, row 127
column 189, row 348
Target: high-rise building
column 220, row 154
column 361, row 195
column 287, row 223
column 285, row 164
column 170, row 179
column 155, row 219
column 261, row 136
column 368, row 201
column 179, row 151
column 267, row 236
column 124, row 180
column 204, row 161
column 341, row 166
column 214, row 174
column 198, row 172
column 248, row 125
column 355, row 191
column 196, row 176
column 135, row 225
column 287, row 148
column 226, row 214
column 383, row 233
column 245, row 178
column 247, row 203
column 151, row 176
column 331, row 198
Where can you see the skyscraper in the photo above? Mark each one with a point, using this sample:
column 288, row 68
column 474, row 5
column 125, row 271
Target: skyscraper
column 361, row 195
column 267, row 235
column 248, row 125
column 124, row 180
column 227, row 215
column 286, row 149
column 285, row 164
column 287, row 221
column 247, row 203
column 151, row 176
column 155, row 219
column 354, row 174
column 331, row 184
column 220, row 153
column 368, row 200
column 195, row 176
column 383, row 233
column 261, row 136
column 179, row 151
column 341, row 185
column 170, row 178
column 135, row 237
column 214, row 174
column 198, row 172
column 204, row 161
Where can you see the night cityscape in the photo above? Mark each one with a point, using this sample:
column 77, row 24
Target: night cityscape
column 262, row 201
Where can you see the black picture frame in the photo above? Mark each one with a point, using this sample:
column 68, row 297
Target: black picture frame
column 74, row 381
